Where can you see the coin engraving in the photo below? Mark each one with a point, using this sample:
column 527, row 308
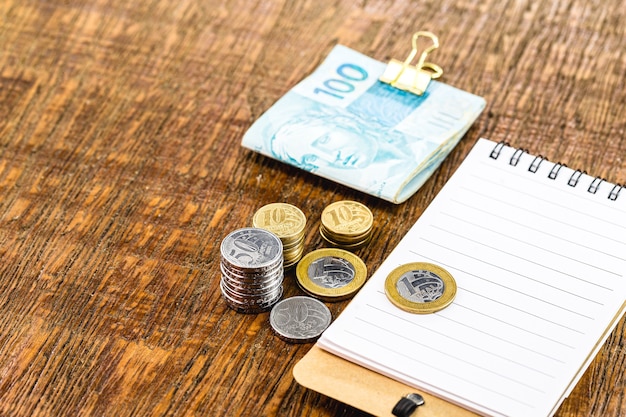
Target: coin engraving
column 420, row 286
column 251, row 247
column 282, row 219
column 347, row 217
column 300, row 319
column 331, row 272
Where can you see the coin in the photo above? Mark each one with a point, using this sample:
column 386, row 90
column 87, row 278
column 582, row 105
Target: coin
column 346, row 224
column 284, row 220
column 336, row 242
column 251, row 305
column 287, row 222
column 331, row 274
column 299, row 319
column 251, row 248
column 347, row 218
column 420, row 287
column 254, row 275
column 251, row 263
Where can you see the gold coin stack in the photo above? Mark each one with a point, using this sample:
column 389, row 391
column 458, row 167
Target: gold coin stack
column 347, row 224
column 287, row 222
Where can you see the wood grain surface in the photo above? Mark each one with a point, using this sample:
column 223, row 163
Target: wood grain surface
column 121, row 171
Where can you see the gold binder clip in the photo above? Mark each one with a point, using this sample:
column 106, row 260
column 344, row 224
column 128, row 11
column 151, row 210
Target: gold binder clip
column 413, row 78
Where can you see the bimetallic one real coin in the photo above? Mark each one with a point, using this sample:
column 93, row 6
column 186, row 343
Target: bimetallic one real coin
column 299, row 319
column 331, row 274
column 420, row 287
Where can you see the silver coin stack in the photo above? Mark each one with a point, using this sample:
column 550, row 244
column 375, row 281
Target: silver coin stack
column 251, row 263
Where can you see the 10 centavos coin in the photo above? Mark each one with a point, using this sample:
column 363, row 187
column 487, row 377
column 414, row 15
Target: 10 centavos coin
column 299, row 319
column 346, row 224
column 284, row 220
column 420, row 287
column 331, row 274
column 288, row 223
column 347, row 218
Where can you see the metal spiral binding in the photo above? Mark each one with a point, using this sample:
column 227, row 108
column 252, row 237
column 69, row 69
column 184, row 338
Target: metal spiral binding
column 516, row 156
column 495, row 153
column 554, row 172
column 615, row 191
column 595, row 184
column 534, row 165
column 573, row 180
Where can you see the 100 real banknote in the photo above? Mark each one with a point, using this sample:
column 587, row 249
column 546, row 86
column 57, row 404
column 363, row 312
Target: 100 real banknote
column 343, row 124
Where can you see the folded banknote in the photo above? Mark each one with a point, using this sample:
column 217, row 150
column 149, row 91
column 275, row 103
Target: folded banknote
column 343, row 124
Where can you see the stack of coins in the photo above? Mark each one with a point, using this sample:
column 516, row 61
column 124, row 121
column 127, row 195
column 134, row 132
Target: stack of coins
column 287, row 222
column 347, row 224
column 251, row 263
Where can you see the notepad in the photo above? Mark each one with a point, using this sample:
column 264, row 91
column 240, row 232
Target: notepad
column 538, row 252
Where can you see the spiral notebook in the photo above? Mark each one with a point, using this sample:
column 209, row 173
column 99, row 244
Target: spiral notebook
column 538, row 252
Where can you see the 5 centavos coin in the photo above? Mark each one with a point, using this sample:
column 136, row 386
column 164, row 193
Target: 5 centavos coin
column 420, row 287
column 331, row 274
column 299, row 319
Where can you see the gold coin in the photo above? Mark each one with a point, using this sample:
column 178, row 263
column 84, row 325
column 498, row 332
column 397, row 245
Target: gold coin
column 341, row 239
column 293, row 244
column 292, row 258
column 344, row 245
column 284, row 220
column 347, row 218
column 420, row 287
column 331, row 274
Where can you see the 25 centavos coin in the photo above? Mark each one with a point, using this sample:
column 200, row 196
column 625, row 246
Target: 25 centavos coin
column 420, row 287
column 331, row 274
column 299, row 319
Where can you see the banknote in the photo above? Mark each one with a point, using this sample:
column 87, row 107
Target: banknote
column 343, row 124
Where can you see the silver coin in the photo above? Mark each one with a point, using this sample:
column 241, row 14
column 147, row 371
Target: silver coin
column 248, row 271
column 251, row 305
column 300, row 319
column 251, row 264
column 255, row 282
column 253, row 278
column 249, row 291
column 252, row 248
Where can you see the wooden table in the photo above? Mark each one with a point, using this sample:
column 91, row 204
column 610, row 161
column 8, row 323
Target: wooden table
column 121, row 171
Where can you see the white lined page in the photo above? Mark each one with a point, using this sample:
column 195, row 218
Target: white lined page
column 540, row 267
